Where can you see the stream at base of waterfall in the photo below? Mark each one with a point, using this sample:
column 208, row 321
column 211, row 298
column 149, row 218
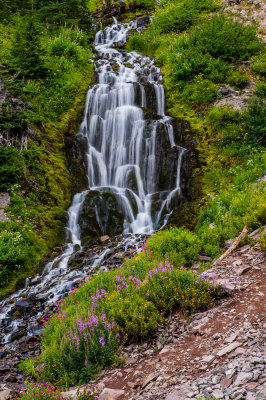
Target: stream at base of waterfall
column 132, row 158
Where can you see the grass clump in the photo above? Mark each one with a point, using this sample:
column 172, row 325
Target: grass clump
column 178, row 246
column 230, row 211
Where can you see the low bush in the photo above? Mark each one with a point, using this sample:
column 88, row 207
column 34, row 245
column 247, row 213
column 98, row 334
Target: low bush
column 11, row 166
column 256, row 122
column 224, row 38
column 258, row 65
column 229, row 212
column 178, row 246
column 179, row 16
column 200, row 91
column 17, row 250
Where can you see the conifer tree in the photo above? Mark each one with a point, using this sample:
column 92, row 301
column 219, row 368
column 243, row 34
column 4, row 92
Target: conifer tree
column 26, row 49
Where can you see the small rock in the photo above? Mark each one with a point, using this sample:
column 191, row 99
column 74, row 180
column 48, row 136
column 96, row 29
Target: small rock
column 104, row 238
column 250, row 396
column 205, row 258
column 147, row 380
column 242, row 269
column 111, row 394
column 225, row 383
column 218, row 394
column 251, row 385
column 231, row 338
column 208, row 359
column 228, row 349
column 242, row 378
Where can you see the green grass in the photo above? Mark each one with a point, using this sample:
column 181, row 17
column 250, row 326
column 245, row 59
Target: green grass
column 55, row 73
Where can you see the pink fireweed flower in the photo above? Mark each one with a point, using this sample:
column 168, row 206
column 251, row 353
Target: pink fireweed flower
column 103, row 317
column 102, row 342
column 93, row 321
column 213, row 277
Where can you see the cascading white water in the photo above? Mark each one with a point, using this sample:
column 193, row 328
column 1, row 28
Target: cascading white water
column 122, row 148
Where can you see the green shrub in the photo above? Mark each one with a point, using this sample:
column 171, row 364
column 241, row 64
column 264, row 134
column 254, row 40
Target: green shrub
column 237, row 78
column 229, row 212
column 259, row 65
column 134, row 315
column 190, row 62
column 178, row 246
column 201, row 91
column 147, row 5
column 256, row 122
column 16, row 250
column 61, row 46
column 261, row 90
column 11, row 167
column 181, row 15
column 226, row 39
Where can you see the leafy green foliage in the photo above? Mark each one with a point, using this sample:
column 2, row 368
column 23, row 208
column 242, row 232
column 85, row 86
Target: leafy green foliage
column 258, row 65
column 11, row 166
column 226, row 39
column 17, row 249
column 256, row 122
column 181, row 15
column 196, row 63
column 26, row 49
column 178, row 246
column 46, row 71
column 230, row 211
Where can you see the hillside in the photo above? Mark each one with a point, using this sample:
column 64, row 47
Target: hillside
column 116, row 205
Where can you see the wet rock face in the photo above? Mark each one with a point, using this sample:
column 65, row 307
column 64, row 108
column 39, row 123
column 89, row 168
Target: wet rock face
column 103, row 204
column 151, row 101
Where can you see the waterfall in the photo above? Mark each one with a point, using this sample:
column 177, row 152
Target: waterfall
column 121, row 145
column 134, row 159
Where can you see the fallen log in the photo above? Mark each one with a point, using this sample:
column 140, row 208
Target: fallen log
column 232, row 247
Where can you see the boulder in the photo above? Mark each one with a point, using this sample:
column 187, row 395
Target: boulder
column 106, row 205
column 111, row 394
column 6, row 394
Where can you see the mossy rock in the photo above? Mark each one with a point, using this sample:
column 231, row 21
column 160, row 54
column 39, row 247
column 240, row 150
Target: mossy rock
column 106, row 205
column 16, row 314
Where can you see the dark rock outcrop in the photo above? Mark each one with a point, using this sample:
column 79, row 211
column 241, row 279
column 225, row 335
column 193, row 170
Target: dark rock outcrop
column 104, row 204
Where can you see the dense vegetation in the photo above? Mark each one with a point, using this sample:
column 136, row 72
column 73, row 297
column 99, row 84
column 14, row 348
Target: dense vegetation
column 115, row 306
column 199, row 55
column 46, row 70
